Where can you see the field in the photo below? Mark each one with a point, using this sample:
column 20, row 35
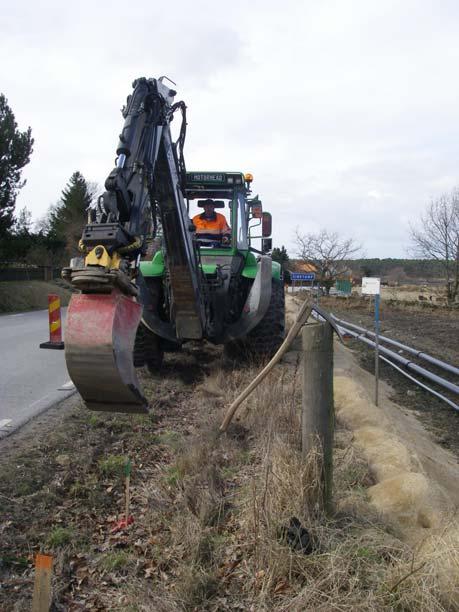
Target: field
column 434, row 294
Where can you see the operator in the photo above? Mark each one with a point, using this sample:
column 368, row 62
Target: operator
column 211, row 227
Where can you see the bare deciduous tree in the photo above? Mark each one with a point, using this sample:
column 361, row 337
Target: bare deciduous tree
column 437, row 237
column 328, row 252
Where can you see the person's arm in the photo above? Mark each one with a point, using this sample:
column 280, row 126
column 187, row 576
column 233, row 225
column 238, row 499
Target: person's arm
column 224, row 227
column 225, row 230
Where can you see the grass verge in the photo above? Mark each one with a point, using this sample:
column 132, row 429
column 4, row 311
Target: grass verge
column 21, row 296
column 230, row 522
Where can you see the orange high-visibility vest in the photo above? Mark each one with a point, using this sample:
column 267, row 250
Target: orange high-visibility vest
column 214, row 228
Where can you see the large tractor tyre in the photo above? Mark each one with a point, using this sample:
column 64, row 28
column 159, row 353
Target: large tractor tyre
column 147, row 349
column 264, row 339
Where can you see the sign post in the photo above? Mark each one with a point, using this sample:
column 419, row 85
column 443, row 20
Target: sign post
column 302, row 276
column 371, row 286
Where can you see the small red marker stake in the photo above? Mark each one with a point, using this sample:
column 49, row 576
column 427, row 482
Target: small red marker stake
column 128, row 519
column 55, row 327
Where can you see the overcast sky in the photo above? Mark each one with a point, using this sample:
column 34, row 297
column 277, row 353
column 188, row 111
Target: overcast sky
column 345, row 112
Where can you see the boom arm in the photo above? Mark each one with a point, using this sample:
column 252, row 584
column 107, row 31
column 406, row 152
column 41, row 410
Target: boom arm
column 102, row 322
column 147, row 179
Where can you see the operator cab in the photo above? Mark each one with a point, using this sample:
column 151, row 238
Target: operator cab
column 244, row 216
column 228, row 191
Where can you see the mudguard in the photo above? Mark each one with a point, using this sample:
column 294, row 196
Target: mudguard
column 256, row 305
column 149, row 317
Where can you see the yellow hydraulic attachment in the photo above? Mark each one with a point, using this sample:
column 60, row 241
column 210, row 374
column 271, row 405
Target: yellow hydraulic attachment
column 99, row 256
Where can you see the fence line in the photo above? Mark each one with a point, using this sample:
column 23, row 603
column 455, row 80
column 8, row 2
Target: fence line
column 17, row 272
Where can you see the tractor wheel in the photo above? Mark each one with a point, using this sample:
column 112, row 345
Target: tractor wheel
column 147, row 349
column 264, row 339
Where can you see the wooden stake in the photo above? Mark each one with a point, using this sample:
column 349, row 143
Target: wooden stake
column 127, row 472
column 41, row 601
column 302, row 317
column 317, row 419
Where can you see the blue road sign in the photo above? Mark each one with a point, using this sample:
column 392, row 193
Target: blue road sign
column 303, row 276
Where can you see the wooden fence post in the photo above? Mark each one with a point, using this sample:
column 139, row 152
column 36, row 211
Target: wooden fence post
column 317, row 420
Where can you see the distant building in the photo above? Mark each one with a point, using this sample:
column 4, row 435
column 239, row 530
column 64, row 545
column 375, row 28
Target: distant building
column 305, row 268
column 302, row 266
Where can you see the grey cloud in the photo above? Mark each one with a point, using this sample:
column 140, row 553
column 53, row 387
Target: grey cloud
column 326, row 103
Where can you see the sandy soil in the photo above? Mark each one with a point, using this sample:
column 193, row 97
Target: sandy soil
column 417, row 481
column 439, row 464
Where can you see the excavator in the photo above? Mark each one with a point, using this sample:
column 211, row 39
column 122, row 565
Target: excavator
column 130, row 307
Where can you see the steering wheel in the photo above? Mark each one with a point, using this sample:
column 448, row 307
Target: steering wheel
column 209, row 243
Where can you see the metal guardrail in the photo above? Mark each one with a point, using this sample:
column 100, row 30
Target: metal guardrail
column 421, row 384
column 385, row 340
column 392, row 358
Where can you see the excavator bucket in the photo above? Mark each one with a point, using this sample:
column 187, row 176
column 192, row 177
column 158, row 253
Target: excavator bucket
column 99, row 342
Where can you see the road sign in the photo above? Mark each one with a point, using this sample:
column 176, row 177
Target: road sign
column 371, row 285
column 302, row 276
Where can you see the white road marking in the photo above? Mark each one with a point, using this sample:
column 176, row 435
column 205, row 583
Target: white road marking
column 37, row 402
column 67, row 386
column 5, row 423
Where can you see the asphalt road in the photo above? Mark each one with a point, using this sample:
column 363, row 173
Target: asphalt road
column 31, row 379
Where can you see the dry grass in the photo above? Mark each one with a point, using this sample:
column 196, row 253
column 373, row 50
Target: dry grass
column 19, row 296
column 213, row 513
column 235, row 496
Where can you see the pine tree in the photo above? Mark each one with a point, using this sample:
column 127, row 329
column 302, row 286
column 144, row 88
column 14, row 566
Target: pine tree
column 15, row 151
column 23, row 223
column 68, row 217
column 281, row 256
column 20, row 239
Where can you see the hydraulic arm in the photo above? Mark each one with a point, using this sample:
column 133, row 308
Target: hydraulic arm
column 146, row 184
